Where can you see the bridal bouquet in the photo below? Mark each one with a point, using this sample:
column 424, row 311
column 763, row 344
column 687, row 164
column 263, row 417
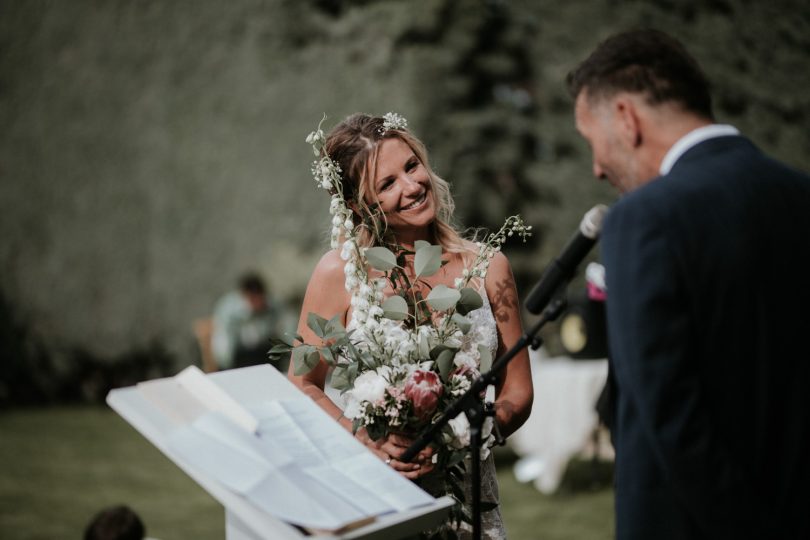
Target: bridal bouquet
column 401, row 360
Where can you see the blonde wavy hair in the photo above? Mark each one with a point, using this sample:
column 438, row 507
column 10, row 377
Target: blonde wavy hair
column 354, row 144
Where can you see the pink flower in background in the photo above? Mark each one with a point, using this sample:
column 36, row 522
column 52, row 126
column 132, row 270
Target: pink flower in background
column 424, row 388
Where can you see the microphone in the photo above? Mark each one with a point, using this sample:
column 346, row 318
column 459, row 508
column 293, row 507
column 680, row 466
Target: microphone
column 562, row 268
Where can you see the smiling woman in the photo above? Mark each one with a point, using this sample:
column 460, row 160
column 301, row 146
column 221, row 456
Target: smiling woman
column 402, row 188
column 426, row 309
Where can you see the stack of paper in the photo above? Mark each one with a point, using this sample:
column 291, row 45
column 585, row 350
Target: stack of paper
column 287, row 457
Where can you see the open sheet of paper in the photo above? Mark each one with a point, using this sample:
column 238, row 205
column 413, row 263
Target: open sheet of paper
column 299, row 465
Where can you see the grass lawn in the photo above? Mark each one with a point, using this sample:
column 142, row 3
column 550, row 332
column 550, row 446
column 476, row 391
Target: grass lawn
column 59, row 466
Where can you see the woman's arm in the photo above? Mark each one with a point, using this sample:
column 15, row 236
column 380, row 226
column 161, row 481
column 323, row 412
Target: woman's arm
column 515, row 394
column 326, row 296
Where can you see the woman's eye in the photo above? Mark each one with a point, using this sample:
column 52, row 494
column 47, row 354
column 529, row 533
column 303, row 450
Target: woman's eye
column 386, row 184
column 411, row 165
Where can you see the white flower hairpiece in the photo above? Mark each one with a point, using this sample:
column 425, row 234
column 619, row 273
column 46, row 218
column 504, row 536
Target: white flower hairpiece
column 393, row 120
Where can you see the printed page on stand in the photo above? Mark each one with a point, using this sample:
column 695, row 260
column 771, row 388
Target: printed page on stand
column 298, row 464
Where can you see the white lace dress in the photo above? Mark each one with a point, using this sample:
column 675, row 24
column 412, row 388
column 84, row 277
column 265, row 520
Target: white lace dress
column 484, row 331
column 492, row 527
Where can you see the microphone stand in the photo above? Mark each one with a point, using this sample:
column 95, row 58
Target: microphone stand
column 473, row 406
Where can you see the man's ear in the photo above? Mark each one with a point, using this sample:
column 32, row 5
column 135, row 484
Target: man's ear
column 628, row 121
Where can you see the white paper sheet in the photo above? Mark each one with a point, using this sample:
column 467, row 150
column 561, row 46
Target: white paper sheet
column 234, row 468
column 215, row 398
column 347, row 489
column 326, row 435
column 300, row 466
column 291, row 495
column 216, row 425
column 276, row 425
column 384, row 481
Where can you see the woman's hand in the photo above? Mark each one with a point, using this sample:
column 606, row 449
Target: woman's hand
column 390, row 448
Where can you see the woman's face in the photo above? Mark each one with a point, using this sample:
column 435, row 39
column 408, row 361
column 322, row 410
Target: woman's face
column 402, row 186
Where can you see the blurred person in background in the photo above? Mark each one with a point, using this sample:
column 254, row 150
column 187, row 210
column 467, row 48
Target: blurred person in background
column 244, row 320
column 116, row 523
column 706, row 258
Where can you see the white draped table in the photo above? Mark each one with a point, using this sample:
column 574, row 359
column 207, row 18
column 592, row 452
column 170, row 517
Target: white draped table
column 563, row 421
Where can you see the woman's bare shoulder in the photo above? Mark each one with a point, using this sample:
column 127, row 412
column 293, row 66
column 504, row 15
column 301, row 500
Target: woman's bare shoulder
column 499, row 279
column 326, row 293
column 330, row 263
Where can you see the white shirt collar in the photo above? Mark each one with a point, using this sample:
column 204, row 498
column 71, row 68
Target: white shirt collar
column 692, row 139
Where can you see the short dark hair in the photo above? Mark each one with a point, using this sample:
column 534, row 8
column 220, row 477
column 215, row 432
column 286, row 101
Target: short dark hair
column 648, row 62
column 252, row 282
column 115, row 523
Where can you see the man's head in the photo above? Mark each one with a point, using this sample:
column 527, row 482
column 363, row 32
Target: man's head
column 636, row 94
column 253, row 289
column 115, row 523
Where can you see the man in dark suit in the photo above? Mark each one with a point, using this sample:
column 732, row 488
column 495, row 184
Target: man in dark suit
column 707, row 256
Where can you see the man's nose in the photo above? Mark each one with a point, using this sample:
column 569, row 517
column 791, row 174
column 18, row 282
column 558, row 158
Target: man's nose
column 598, row 173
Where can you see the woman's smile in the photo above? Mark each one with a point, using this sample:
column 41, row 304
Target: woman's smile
column 403, row 190
column 418, row 203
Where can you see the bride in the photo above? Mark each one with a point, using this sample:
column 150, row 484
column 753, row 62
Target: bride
column 385, row 173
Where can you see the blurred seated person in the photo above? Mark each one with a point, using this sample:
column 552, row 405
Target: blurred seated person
column 115, row 523
column 244, row 321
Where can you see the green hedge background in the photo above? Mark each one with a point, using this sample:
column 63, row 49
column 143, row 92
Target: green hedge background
column 151, row 151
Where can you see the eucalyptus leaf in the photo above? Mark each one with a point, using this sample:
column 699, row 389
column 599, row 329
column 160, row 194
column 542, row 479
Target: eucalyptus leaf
column 305, row 358
column 445, row 362
column 334, row 328
column 340, row 378
column 456, row 458
column 290, row 338
column 279, row 348
column 317, row 324
column 279, row 351
column 419, row 244
column 437, row 350
column 424, row 345
column 353, row 352
column 376, row 431
column 427, row 261
column 342, row 340
column 369, row 361
column 312, row 359
column 470, row 300
column 464, row 324
column 395, row 307
column 442, row 297
column 328, row 356
column 485, row 363
column 357, row 423
column 381, row 258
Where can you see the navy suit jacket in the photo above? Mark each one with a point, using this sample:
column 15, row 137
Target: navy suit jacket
column 708, row 277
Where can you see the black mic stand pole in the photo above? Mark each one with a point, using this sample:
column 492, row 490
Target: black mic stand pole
column 472, row 405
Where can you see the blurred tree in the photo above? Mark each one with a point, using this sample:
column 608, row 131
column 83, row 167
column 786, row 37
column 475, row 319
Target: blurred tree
column 468, row 65
column 151, row 151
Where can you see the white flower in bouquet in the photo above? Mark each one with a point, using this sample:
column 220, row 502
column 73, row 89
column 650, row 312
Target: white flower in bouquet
column 369, row 387
column 467, row 359
column 460, row 428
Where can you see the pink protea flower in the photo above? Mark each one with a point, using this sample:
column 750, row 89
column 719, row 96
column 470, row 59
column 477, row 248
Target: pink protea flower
column 424, row 388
